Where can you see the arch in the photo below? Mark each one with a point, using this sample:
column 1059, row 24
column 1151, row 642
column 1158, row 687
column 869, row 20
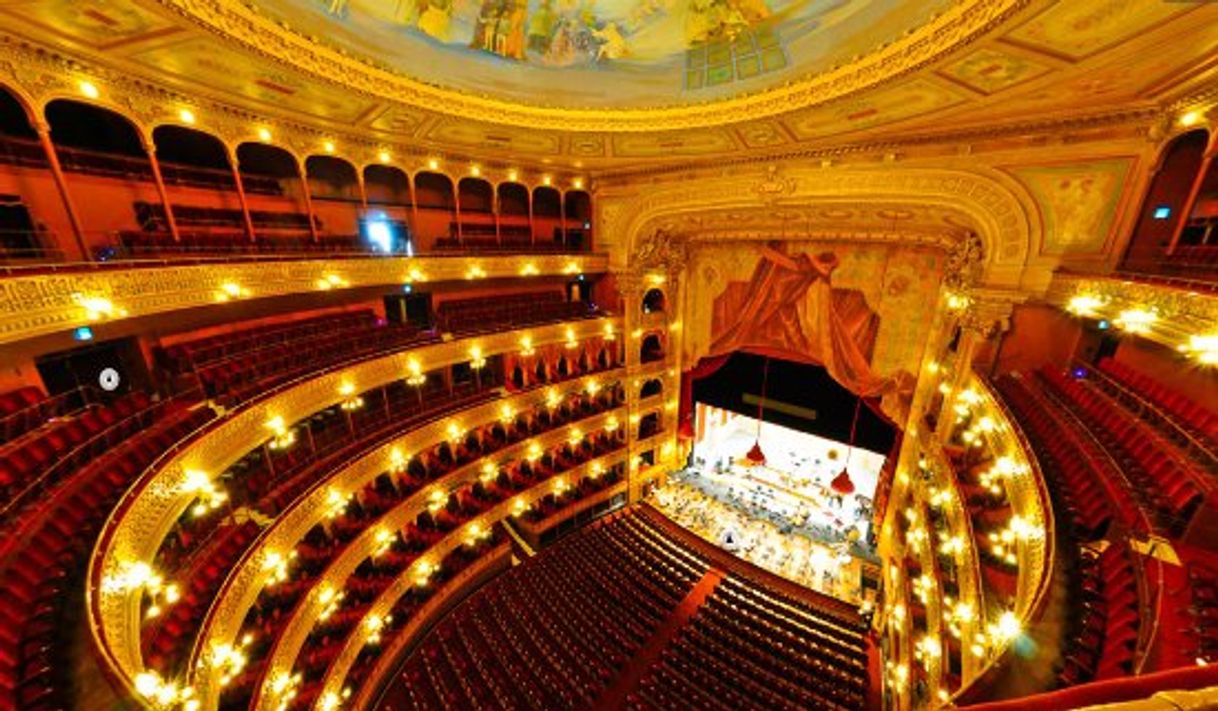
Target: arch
column 513, row 200
column 1164, row 202
column 193, row 158
column 518, row 376
column 16, row 118
column 649, row 425
column 433, row 191
column 655, row 386
column 475, row 195
column 387, row 185
column 651, row 349
column 547, row 201
column 578, row 205
column 602, row 357
column 331, row 178
column 995, row 205
column 265, row 169
column 654, row 301
column 85, row 127
column 564, row 368
column 541, row 372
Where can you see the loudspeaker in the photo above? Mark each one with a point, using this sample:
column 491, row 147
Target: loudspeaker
column 413, row 309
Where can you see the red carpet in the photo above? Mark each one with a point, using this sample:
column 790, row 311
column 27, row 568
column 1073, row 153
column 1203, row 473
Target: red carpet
column 614, row 696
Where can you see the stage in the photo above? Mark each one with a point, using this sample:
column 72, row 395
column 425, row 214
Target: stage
column 783, row 515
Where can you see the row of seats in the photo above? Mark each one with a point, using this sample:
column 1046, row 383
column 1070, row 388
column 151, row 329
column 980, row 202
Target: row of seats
column 502, row 312
column 1167, row 479
column 564, row 628
column 213, row 243
column 1088, row 490
column 44, row 556
column 278, row 604
column 1203, row 611
column 240, row 378
column 1104, row 633
column 1190, row 415
column 556, row 632
column 198, row 352
column 48, row 454
column 269, row 492
column 27, row 408
column 152, row 217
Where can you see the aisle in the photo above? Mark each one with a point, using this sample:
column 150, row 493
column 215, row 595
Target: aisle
column 614, row 696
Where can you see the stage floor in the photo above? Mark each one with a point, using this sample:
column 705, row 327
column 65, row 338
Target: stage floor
column 749, row 513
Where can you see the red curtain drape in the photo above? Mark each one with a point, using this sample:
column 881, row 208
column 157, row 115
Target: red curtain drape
column 685, row 412
column 789, row 307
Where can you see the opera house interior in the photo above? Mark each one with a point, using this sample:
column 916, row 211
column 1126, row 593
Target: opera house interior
column 579, row 355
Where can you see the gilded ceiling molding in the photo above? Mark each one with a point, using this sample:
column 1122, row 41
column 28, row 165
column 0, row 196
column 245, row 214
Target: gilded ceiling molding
column 42, row 304
column 1138, row 123
column 38, row 75
column 955, row 28
column 996, row 207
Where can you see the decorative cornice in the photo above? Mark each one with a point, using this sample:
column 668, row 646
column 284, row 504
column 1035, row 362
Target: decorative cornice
column 47, row 303
column 992, row 205
column 953, row 29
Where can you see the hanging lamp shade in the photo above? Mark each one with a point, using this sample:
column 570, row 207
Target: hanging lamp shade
column 755, row 457
column 842, row 483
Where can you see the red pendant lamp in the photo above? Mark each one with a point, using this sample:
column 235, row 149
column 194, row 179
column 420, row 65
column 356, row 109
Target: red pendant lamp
column 755, row 457
column 842, row 483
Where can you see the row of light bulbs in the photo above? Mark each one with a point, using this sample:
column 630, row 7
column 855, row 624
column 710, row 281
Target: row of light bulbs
column 1141, row 320
column 187, row 116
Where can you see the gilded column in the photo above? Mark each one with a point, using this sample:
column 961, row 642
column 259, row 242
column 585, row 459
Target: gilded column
column 303, row 171
column 245, row 206
column 630, row 287
column 44, row 136
column 150, row 148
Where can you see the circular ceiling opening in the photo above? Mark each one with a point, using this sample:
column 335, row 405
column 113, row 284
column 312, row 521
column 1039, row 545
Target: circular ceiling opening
column 605, row 53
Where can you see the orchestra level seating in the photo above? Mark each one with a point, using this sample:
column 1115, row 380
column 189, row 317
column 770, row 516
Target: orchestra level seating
column 621, row 614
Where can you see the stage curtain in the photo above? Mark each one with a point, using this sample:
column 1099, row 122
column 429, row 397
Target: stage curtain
column 790, row 308
column 705, row 368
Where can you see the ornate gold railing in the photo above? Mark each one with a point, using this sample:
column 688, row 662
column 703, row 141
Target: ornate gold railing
column 249, row 578
column 54, row 302
column 140, row 522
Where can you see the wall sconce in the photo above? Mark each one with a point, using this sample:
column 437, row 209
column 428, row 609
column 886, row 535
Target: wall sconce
column 476, row 360
column 416, row 376
column 230, row 290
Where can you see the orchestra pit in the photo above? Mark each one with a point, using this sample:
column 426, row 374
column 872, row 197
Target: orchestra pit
column 597, row 355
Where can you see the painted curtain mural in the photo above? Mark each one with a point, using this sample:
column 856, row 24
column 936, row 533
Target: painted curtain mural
column 605, row 52
column 861, row 310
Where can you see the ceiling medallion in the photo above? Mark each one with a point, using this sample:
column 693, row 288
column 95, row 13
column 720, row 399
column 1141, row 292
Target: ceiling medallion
column 773, row 186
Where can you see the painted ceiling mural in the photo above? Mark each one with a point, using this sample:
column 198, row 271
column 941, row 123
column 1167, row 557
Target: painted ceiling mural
column 605, row 53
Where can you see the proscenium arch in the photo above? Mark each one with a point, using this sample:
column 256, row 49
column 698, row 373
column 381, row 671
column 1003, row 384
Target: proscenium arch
column 1004, row 213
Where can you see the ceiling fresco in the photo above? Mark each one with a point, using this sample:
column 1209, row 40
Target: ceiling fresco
column 607, row 53
column 592, row 84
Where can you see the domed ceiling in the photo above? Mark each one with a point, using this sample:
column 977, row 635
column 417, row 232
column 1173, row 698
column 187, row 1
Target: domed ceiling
column 605, row 53
column 590, row 84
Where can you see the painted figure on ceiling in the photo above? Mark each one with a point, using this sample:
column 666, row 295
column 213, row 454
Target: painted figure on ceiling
column 435, row 18
column 541, row 27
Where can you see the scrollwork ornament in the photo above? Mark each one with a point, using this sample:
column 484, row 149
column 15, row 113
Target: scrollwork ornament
column 964, row 263
column 662, row 251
